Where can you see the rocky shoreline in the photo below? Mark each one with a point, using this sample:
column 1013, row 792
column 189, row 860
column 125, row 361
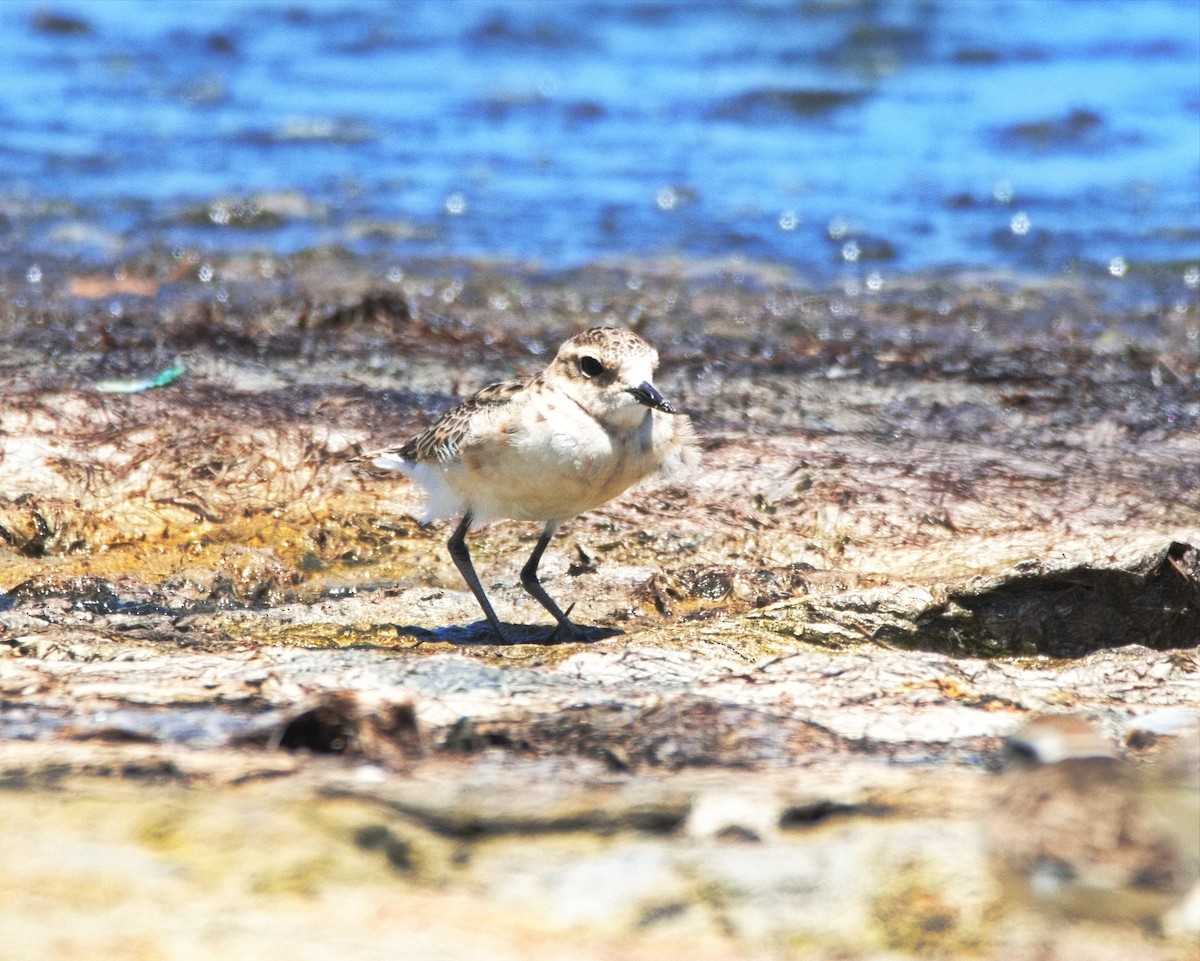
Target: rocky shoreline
column 925, row 511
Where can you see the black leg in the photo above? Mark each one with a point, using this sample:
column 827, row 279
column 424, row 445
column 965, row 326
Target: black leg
column 529, row 580
column 462, row 560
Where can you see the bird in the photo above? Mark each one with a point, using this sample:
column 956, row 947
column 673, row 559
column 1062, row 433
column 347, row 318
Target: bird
column 1079, row 831
column 581, row 432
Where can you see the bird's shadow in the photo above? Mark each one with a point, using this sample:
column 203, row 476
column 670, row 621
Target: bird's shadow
column 480, row 634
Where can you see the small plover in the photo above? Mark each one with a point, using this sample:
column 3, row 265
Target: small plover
column 584, row 430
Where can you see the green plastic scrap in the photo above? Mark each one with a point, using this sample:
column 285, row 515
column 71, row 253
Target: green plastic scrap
column 137, row 385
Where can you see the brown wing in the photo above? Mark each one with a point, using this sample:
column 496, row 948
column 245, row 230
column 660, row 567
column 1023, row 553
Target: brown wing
column 440, row 441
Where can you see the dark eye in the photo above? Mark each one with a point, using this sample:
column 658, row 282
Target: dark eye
column 590, row 367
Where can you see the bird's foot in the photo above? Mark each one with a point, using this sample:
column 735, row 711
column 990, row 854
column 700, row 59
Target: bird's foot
column 564, row 631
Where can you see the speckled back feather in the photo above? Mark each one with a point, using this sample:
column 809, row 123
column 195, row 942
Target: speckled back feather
column 440, row 441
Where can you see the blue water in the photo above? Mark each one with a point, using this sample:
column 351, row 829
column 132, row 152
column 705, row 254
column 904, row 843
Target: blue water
column 1034, row 136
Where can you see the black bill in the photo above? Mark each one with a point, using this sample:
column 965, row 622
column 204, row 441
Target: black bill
column 648, row 395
